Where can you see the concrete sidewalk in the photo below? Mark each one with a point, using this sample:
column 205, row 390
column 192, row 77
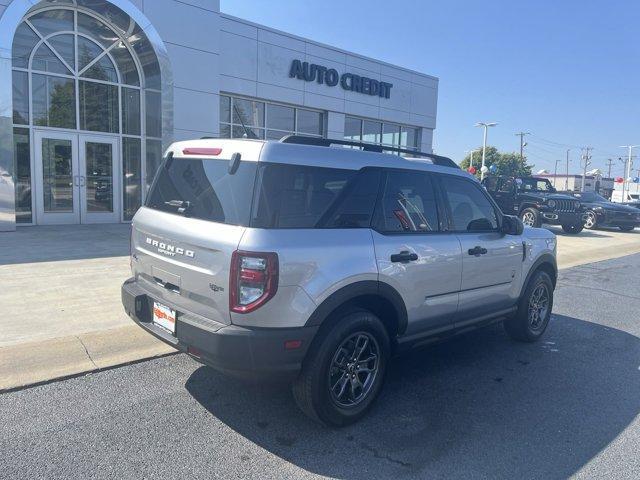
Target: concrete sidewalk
column 60, row 298
column 60, row 304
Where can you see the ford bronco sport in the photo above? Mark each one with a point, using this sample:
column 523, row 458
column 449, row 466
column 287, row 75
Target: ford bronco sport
column 536, row 202
column 303, row 259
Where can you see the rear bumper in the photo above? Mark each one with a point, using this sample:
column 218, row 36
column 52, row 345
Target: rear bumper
column 239, row 351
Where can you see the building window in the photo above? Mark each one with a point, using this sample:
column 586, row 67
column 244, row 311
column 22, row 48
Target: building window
column 87, row 67
column 381, row 133
column 22, row 169
column 249, row 118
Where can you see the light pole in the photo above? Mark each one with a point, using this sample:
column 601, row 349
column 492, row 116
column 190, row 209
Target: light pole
column 627, row 170
column 484, row 144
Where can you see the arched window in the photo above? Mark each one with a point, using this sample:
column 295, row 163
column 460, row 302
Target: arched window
column 86, row 66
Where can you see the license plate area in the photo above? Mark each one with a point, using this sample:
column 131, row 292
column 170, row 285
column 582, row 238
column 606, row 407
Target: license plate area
column 164, row 317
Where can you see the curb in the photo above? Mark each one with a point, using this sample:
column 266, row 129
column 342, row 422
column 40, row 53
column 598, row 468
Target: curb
column 34, row 363
column 594, row 255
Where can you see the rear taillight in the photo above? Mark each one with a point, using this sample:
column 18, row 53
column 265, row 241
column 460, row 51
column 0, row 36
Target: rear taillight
column 253, row 280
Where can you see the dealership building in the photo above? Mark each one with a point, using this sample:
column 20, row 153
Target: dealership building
column 92, row 91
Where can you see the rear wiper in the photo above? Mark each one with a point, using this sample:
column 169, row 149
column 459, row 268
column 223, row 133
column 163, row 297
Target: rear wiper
column 181, row 205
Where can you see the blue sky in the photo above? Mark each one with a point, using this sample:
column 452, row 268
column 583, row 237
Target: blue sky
column 567, row 71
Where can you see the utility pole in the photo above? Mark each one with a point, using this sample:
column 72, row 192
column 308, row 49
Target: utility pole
column 566, row 181
column 522, row 144
column 586, row 161
column 627, row 171
column 609, row 163
column 555, row 173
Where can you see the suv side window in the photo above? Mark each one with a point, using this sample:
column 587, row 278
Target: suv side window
column 490, row 183
column 506, row 185
column 300, row 196
column 470, row 209
column 408, row 203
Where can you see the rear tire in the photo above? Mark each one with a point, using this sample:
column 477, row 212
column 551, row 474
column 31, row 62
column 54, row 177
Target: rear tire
column 534, row 310
column 572, row 229
column 352, row 358
column 627, row 228
column 530, row 217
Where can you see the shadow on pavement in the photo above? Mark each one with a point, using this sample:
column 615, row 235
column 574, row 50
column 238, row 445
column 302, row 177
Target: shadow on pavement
column 477, row 406
column 63, row 242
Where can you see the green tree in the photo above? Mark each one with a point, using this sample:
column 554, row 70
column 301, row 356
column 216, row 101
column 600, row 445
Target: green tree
column 507, row 163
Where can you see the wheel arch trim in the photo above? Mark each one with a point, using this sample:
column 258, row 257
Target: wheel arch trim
column 544, row 259
column 360, row 289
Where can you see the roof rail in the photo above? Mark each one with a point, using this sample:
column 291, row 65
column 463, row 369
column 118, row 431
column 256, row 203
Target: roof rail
column 369, row 147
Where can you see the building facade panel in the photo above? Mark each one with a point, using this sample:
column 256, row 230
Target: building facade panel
column 325, row 53
column 239, row 56
column 189, row 60
column 194, row 69
column 273, row 66
column 184, row 24
column 283, row 94
column 197, row 111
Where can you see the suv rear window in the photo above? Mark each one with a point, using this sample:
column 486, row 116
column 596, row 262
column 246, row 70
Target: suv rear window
column 298, row 196
column 204, row 189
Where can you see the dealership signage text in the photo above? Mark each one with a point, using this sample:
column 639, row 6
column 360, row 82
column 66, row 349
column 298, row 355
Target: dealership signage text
column 310, row 72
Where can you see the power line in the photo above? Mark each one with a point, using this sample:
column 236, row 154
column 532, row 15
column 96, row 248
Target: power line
column 552, row 142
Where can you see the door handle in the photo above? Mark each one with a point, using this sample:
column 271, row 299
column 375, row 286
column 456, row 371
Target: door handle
column 76, row 181
column 404, row 256
column 477, row 251
column 82, row 179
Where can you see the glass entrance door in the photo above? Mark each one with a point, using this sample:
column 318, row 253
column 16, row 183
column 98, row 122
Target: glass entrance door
column 99, row 185
column 57, row 182
column 76, row 178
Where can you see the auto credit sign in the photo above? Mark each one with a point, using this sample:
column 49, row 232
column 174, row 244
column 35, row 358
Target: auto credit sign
column 311, row 72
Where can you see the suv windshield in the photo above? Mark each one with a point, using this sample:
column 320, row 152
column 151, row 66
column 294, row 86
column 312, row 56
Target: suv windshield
column 204, row 189
column 534, row 185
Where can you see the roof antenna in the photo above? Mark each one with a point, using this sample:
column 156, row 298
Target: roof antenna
column 247, row 132
column 169, row 160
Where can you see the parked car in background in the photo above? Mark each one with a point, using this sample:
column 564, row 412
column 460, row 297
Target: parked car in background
column 316, row 263
column 536, row 202
column 600, row 212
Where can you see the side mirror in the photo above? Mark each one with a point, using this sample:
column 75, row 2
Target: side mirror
column 511, row 225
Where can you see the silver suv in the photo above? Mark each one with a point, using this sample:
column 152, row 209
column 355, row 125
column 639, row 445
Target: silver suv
column 301, row 259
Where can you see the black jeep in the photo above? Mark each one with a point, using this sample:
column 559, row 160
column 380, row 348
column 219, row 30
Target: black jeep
column 536, row 202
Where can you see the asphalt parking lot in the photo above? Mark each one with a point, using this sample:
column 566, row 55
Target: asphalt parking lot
column 479, row 406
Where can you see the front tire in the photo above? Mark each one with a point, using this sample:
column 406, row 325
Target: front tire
column 534, row 310
column 530, row 217
column 572, row 229
column 590, row 220
column 344, row 370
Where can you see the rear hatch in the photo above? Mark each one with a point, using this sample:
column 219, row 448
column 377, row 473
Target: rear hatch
column 184, row 237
